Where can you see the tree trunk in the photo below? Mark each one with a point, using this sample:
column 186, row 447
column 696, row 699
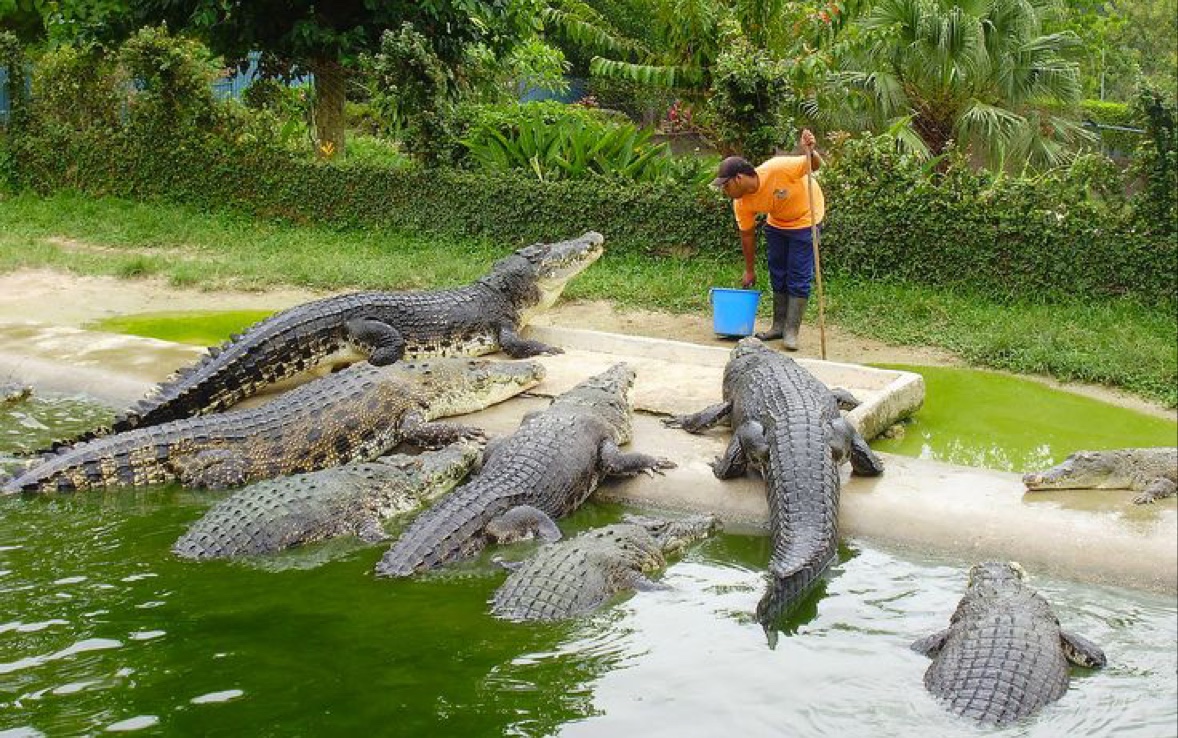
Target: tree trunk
column 330, row 81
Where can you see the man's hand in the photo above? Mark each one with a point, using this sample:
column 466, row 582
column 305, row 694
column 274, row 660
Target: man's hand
column 807, row 139
column 749, row 279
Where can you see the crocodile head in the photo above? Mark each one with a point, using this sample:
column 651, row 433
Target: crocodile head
column 993, row 577
column 440, row 470
column 608, row 393
column 673, row 536
column 1083, row 470
column 459, row 386
column 535, row 276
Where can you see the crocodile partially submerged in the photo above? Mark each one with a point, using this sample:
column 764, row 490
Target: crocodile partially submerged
column 1151, row 472
column 1003, row 655
column 380, row 327
column 787, row 425
column 551, row 463
column 353, row 499
column 356, row 414
column 10, row 394
column 578, row 575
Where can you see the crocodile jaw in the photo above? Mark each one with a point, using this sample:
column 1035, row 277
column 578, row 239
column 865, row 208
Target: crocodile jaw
column 474, row 384
column 560, row 263
column 1081, row 470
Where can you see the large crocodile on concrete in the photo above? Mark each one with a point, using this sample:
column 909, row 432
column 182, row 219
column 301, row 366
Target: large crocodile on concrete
column 576, row 576
column 546, row 468
column 356, row 414
column 380, row 327
column 787, row 425
column 352, row 499
column 1003, row 655
column 1151, row 472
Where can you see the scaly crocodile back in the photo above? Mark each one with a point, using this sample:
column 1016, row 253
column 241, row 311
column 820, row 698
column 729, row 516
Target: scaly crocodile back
column 277, row 514
column 801, row 476
column 1002, row 659
column 354, row 414
column 573, row 577
column 552, row 463
column 439, row 323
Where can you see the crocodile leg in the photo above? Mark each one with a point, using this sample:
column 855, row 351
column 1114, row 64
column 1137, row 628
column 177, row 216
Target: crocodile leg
column 371, row 531
column 521, row 522
column 864, row 461
column 615, row 463
column 521, row 348
column 931, row 645
column 732, row 463
column 845, row 400
column 702, row 420
column 1158, row 489
column 1081, row 651
column 212, row 469
column 641, row 583
column 436, row 434
column 386, row 342
column 840, row 440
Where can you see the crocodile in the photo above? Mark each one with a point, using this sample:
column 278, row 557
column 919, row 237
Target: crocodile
column 355, row 414
column 1150, row 472
column 1003, row 655
column 576, row 576
column 352, row 499
column 380, row 327
column 787, row 425
column 551, row 463
column 10, row 394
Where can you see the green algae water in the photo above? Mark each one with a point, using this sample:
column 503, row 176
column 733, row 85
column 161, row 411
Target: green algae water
column 997, row 421
column 196, row 328
column 102, row 629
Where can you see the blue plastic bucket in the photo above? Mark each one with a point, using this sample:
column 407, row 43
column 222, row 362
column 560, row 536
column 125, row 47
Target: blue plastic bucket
column 734, row 311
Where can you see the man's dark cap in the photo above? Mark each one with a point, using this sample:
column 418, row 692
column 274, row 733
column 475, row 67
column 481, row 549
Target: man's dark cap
column 731, row 167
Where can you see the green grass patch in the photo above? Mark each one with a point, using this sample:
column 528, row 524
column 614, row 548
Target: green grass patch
column 1115, row 342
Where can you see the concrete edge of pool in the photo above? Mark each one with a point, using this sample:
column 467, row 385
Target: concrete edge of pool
column 958, row 511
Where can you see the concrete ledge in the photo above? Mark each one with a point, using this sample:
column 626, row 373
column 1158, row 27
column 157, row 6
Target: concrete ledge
column 675, row 377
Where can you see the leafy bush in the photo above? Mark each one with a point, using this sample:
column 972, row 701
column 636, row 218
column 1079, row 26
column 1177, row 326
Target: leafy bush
column 1157, row 164
column 79, row 87
column 747, row 112
column 579, row 147
column 12, row 60
column 174, row 77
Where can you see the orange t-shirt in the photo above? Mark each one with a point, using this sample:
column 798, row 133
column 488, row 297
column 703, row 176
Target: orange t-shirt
column 782, row 195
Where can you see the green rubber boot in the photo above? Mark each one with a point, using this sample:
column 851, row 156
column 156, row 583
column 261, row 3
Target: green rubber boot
column 780, row 303
column 795, row 309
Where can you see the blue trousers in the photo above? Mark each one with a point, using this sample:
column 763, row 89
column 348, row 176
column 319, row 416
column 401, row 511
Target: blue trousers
column 791, row 259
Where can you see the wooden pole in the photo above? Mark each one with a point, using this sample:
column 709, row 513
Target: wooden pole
column 817, row 257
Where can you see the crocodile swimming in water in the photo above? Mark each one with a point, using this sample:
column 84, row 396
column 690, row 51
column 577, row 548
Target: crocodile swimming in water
column 352, row 499
column 573, row 577
column 380, row 327
column 1151, row 472
column 548, row 466
column 786, row 424
column 353, row 415
column 1003, row 655
column 10, row 394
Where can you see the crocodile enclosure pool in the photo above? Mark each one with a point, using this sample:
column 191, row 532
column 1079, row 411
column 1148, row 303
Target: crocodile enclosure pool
column 103, row 629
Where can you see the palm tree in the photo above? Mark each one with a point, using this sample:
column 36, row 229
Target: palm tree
column 978, row 72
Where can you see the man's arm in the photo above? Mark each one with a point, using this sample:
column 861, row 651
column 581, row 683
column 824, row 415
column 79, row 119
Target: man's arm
column 808, row 142
column 748, row 245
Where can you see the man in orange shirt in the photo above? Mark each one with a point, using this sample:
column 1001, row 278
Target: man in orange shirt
column 779, row 188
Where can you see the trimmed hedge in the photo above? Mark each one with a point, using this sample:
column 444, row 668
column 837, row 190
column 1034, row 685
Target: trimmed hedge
column 1060, row 236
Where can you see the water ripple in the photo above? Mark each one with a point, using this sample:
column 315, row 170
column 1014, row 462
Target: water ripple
column 90, row 644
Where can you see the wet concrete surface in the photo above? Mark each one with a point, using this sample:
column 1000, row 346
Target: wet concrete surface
column 966, row 512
